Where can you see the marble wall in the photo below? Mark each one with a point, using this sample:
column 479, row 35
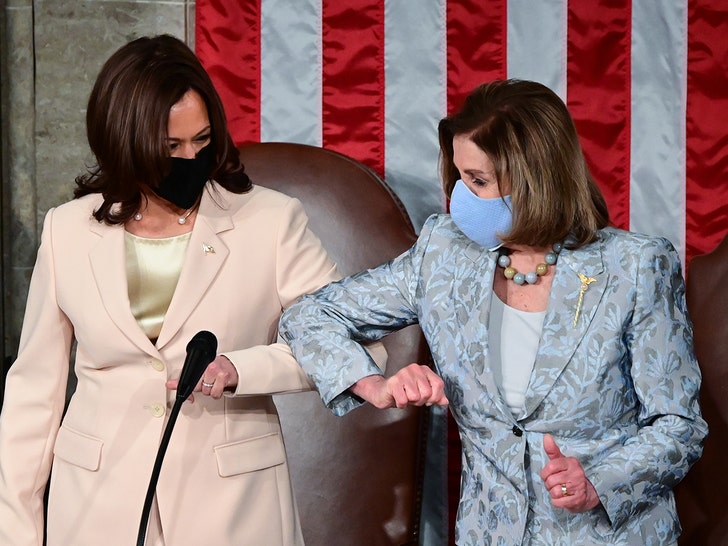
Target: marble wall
column 50, row 53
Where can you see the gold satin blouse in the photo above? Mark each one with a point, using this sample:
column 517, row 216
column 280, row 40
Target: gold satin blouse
column 153, row 267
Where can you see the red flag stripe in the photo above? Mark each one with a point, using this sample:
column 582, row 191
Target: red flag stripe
column 227, row 41
column 598, row 94
column 353, row 79
column 707, row 138
column 476, row 46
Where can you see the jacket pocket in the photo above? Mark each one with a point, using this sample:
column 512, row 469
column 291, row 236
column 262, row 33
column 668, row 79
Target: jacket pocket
column 78, row 449
column 250, row 455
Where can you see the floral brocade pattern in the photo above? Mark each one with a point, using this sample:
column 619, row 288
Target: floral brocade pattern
column 615, row 379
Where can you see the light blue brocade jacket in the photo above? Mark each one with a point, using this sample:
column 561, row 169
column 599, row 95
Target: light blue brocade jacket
column 616, row 386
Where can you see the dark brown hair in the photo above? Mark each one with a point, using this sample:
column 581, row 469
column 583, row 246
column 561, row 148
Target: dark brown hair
column 527, row 132
column 126, row 124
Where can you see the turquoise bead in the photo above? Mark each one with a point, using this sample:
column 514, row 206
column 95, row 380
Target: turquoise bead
column 509, row 272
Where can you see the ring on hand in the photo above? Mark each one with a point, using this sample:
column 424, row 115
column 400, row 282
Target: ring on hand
column 564, row 491
column 208, row 385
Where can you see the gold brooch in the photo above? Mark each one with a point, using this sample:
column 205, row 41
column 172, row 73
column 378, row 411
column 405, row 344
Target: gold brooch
column 585, row 282
column 208, row 249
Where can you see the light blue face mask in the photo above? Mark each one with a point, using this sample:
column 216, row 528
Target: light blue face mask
column 480, row 219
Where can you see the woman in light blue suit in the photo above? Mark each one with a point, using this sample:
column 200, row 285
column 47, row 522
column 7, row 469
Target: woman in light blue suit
column 564, row 345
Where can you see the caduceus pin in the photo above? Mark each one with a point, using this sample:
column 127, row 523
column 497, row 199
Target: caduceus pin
column 585, row 282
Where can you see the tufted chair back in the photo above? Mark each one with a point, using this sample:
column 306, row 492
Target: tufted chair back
column 702, row 498
column 358, row 479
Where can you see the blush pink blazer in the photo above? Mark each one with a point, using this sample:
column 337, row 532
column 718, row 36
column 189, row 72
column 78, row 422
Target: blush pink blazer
column 225, row 477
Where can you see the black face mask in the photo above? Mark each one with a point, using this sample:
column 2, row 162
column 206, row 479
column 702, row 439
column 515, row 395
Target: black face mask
column 186, row 179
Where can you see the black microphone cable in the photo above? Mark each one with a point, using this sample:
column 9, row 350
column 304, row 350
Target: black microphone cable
column 201, row 350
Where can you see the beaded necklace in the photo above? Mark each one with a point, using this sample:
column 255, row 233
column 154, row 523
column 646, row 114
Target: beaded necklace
column 531, row 277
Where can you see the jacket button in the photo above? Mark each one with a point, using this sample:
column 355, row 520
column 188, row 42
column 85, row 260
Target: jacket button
column 157, row 410
column 158, row 365
column 517, row 431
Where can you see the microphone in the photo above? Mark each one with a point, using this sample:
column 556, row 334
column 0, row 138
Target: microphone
column 201, row 350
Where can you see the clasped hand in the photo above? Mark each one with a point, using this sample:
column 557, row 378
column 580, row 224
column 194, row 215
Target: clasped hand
column 414, row 385
column 220, row 375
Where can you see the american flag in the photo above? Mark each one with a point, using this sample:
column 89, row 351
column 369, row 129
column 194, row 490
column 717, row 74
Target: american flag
column 645, row 80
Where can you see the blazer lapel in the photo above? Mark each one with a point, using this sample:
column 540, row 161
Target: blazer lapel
column 206, row 254
column 108, row 265
column 578, row 287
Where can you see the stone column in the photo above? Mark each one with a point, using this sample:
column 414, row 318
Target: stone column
column 51, row 52
column 19, row 217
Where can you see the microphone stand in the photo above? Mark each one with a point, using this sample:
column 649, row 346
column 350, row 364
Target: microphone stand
column 200, row 352
column 141, row 537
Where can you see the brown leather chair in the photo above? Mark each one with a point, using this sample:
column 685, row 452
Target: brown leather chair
column 358, row 478
column 702, row 498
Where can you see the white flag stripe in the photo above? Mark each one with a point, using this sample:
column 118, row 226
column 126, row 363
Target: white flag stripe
column 658, row 141
column 415, row 101
column 290, row 71
column 536, row 37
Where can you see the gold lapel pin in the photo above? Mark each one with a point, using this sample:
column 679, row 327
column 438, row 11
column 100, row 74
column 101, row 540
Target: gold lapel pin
column 585, row 282
column 208, row 249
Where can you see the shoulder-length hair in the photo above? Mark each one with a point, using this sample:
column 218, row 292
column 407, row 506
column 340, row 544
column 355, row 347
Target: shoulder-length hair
column 126, row 124
column 527, row 132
